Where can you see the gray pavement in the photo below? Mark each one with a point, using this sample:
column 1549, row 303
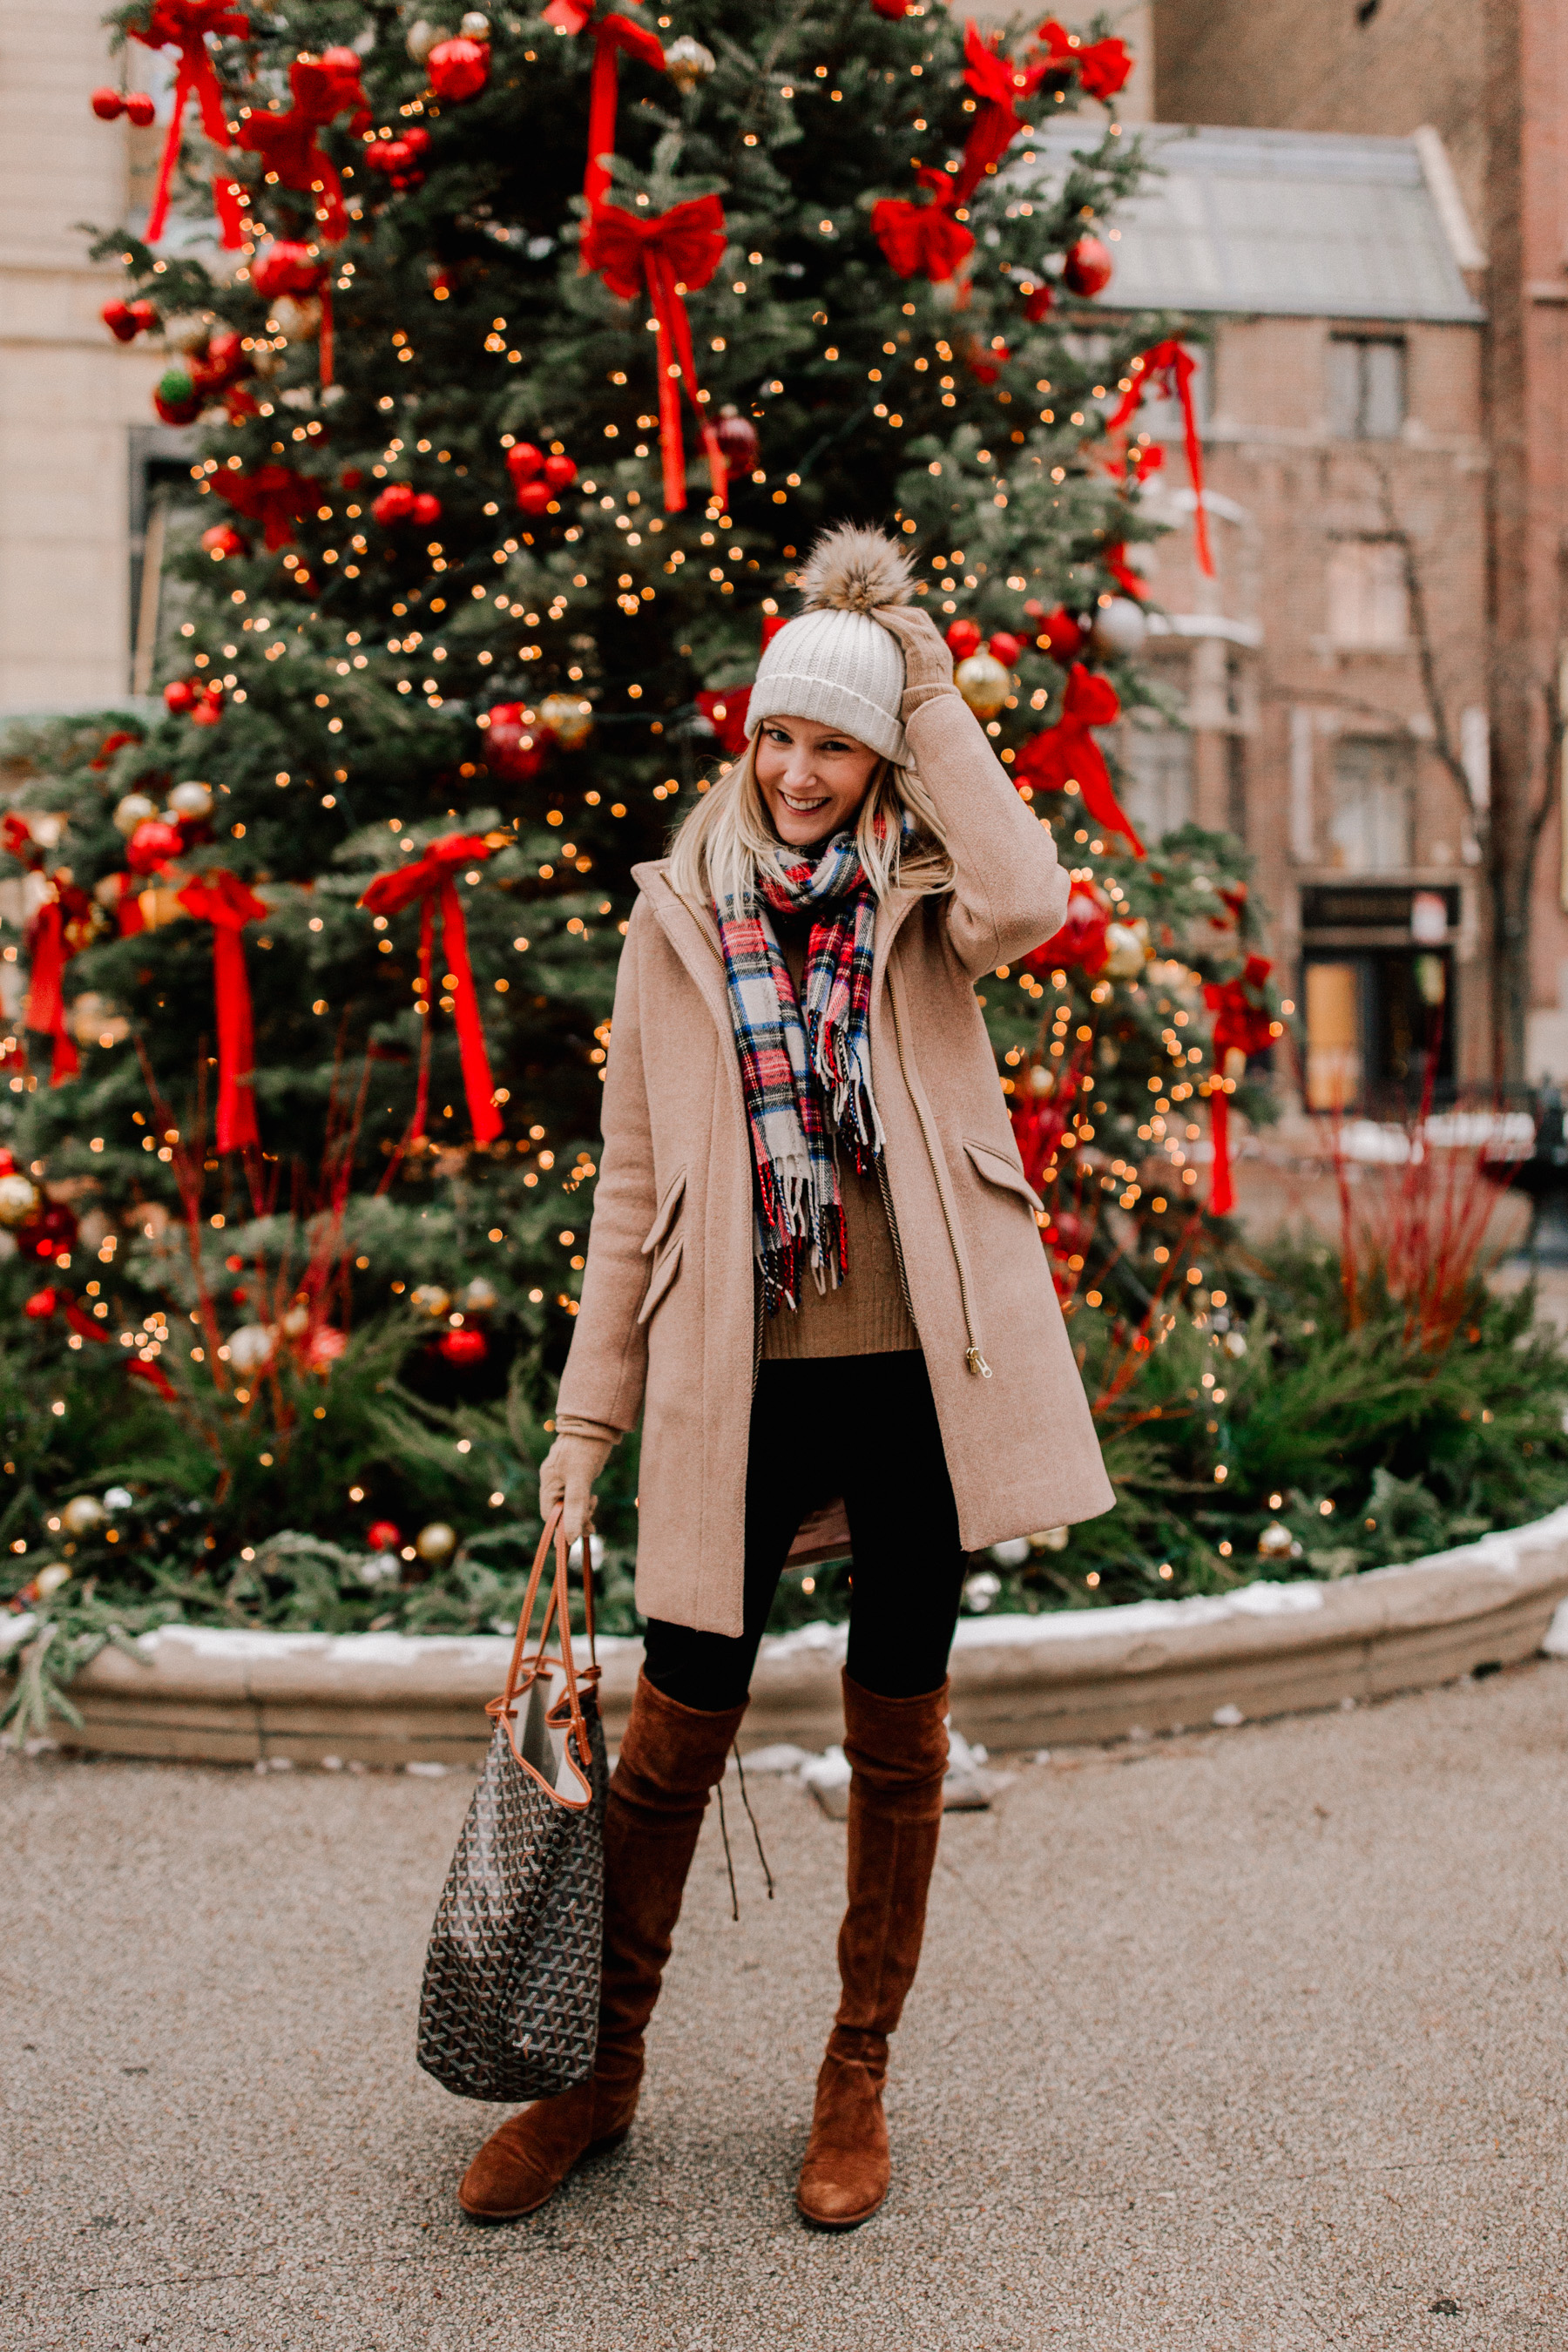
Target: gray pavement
column 1249, row 2040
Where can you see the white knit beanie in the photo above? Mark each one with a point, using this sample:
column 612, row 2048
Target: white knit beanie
column 834, row 664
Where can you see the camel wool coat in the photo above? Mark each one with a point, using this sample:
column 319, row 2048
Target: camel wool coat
column 669, row 1325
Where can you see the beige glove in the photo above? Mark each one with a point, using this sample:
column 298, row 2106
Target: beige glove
column 566, row 1477
column 927, row 662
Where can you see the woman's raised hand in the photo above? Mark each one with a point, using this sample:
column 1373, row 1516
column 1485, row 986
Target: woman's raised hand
column 566, row 1477
column 928, row 663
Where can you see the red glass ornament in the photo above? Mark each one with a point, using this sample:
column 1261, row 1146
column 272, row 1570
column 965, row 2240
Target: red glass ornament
column 560, row 472
column 737, row 438
column 1006, row 649
column 395, row 503
column 417, row 140
column 179, row 694
column 107, row 104
column 222, row 540
column 324, row 1347
column 893, row 9
column 208, row 708
column 1081, row 940
column 426, row 508
column 513, row 748
column 140, row 108
column 1061, row 635
column 534, row 498
column 145, row 314
column 1087, row 268
column 117, row 317
column 351, row 477
column 962, row 639
column 458, row 69
column 523, row 460
column 41, row 1305
column 464, row 1347
column 152, row 845
column 382, row 1536
column 285, row 267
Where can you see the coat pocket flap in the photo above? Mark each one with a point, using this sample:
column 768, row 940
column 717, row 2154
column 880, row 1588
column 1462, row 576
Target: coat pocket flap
column 998, row 1168
column 661, row 1224
column 664, row 1274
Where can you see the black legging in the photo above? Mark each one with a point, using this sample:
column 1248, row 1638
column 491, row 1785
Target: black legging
column 864, row 1427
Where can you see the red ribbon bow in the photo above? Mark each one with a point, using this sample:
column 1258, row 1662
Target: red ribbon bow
column 922, row 236
column 274, row 496
column 675, row 252
column 1175, row 367
column 998, row 83
column 183, row 25
column 1102, row 66
column 288, row 145
column 49, row 949
column 1067, row 753
column 226, row 903
column 1243, row 1025
column 429, row 879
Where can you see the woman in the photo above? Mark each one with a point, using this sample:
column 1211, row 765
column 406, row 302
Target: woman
column 815, row 1271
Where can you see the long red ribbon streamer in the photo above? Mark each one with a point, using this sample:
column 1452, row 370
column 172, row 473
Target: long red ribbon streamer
column 185, row 25
column 612, row 34
column 674, row 254
column 1178, row 367
column 46, row 994
column 429, row 879
column 229, row 904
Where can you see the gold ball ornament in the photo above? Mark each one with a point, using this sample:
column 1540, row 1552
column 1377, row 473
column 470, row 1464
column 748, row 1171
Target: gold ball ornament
column 436, row 1542
column 569, row 719
column 46, row 826
column 430, row 1298
column 191, row 799
column 132, row 811
column 1277, row 1542
column 82, row 1513
column 19, row 1199
column 479, row 1297
column 476, row 25
column 50, row 1579
column 1127, row 949
column 421, row 39
column 686, row 63
column 983, row 684
column 296, row 317
column 297, row 1321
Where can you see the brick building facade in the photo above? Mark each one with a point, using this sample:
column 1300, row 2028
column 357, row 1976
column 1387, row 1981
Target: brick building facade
column 1489, row 84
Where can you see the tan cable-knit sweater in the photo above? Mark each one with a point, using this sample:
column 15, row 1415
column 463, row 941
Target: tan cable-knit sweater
column 866, row 1315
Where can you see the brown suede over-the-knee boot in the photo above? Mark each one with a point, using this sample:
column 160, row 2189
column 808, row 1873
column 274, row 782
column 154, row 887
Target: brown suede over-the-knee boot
column 896, row 1749
column 671, row 1759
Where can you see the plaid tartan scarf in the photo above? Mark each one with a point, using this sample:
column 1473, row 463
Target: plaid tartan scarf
column 806, row 1075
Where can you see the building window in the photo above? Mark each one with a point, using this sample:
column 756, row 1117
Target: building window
column 1366, row 387
column 1368, row 606
column 1158, row 791
column 1370, row 828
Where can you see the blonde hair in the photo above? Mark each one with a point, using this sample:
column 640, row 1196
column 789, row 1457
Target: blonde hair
column 727, row 840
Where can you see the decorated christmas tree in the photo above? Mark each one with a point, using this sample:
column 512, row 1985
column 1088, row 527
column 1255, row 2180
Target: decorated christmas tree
column 524, row 356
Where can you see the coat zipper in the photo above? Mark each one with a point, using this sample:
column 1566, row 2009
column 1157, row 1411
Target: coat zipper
column 973, row 1355
column 897, row 1244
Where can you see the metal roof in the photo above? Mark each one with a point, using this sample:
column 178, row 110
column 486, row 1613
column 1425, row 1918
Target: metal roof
column 1299, row 223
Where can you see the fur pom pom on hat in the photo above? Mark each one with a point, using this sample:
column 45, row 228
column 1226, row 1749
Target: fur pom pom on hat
column 834, row 664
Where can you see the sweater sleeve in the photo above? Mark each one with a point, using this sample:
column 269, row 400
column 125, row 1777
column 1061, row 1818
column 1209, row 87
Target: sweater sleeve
column 608, row 1363
column 1010, row 893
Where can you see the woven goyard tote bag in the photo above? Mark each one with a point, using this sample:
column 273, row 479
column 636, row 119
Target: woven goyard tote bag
column 509, row 2006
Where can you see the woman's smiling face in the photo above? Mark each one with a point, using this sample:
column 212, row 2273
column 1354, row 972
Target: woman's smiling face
column 812, row 779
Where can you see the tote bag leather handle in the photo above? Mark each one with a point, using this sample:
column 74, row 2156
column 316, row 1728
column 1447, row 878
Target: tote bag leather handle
column 527, row 1666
